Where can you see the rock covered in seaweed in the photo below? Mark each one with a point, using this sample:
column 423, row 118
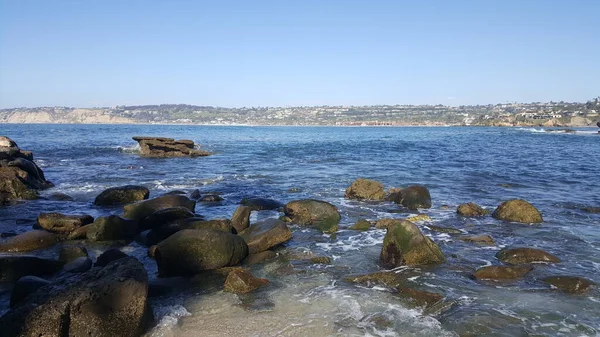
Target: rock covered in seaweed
column 365, row 189
column 314, row 213
column 160, row 147
column 518, row 210
column 516, row 256
column 63, row 223
column 570, row 284
column 471, row 209
column 501, row 273
column 411, row 197
column 140, row 210
column 122, row 195
column 404, row 244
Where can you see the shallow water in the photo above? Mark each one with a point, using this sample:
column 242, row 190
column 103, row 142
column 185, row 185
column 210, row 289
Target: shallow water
column 556, row 172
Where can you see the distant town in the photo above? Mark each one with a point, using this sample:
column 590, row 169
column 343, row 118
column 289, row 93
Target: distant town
column 548, row 114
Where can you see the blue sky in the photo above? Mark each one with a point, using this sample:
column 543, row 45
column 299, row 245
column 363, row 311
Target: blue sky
column 278, row 53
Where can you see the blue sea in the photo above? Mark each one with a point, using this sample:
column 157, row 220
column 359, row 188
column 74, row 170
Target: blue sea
column 557, row 172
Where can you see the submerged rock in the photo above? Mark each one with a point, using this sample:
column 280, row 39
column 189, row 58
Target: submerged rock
column 314, row 213
column 240, row 219
column 471, row 210
column 447, row 230
column 241, row 281
column 122, row 195
column 109, row 301
column 58, row 196
column 389, row 279
column 420, row 297
column 515, row 256
column 361, row 225
column 25, row 286
column 159, row 147
column 14, row 267
column 261, row 204
column 142, row 209
column 260, row 257
column 480, row 239
column 211, row 198
column 110, row 228
column 418, row 218
column 518, row 210
column 500, row 273
column 365, row 189
column 266, row 234
column 63, row 223
column 412, row 197
column 192, row 251
column 404, row 244
column 570, row 284
column 28, row 241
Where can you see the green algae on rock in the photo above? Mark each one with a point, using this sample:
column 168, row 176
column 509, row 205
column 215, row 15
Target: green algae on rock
column 404, row 244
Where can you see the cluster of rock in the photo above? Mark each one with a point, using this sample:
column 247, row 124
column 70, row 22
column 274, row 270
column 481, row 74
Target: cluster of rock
column 160, row 147
column 20, row 177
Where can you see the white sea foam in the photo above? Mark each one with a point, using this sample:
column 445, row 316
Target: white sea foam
column 167, row 317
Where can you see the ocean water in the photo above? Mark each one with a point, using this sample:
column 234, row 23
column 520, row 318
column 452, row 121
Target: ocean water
column 557, row 172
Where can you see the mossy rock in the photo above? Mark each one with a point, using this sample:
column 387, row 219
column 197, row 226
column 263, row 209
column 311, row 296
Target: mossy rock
column 29, row 241
column 518, row 210
column 165, row 216
column 412, row 197
column 404, row 244
column 112, row 227
column 140, row 210
column 314, row 213
column 240, row 219
column 365, row 189
column 480, row 239
column 63, row 223
column 500, row 273
column 361, row 225
column 516, row 256
column 570, row 284
column 383, row 278
column 471, row 210
column 122, row 195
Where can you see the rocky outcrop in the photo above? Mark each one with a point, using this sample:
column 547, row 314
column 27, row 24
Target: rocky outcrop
column 412, row 197
column 112, row 227
column 241, row 281
column 63, row 223
column 517, row 210
column 28, row 241
column 266, row 234
column 122, row 195
column 365, row 189
column 140, row 210
column 314, row 213
column 109, row 301
column 240, row 219
column 14, row 267
column 404, row 244
column 261, row 204
column 159, row 147
column 516, row 256
column 192, row 251
column 570, row 284
column 20, row 177
column 500, row 273
column 471, row 210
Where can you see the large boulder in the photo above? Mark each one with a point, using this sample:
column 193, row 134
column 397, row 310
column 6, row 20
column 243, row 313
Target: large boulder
column 160, row 147
column 501, row 273
column 112, row 227
column 240, row 219
column 109, row 301
column 261, row 204
column 241, row 281
column 140, row 210
column 63, row 223
column 191, row 251
column 165, row 216
column 518, row 210
column 569, row 284
column 266, row 234
column 314, row 213
column 470, row 209
column 365, row 189
column 515, row 256
column 412, row 197
column 20, row 177
column 218, row 224
column 404, row 244
column 14, row 267
column 28, row 241
column 122, row 195
column 25, row 286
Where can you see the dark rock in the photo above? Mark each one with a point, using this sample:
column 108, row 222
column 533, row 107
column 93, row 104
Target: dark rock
column 515, row 256
column 219, row 224
column 63, row 223
column 152, row 251
column 420, row 297
column 142, row 209
column 413, row 197
column 109, row 301
column 260, row 257
column 70, row 253
column 164, row 286
column 80, row 233
column 109, row 256
column 517, row 210
column 241, row 281
column 260, row 204
column 159, row 147
column 240, row 219
column 122, row 195
column 14, row 267
column 470, row 210
column 361, row 225
column 365, row 189
column 110, row 228
column 570, row 284
column 314, row 213
column 447, row 230
column 191, row 251
column 480, row 239
column 500, row 273
column 166, row 216
column 58, row 196
column 29, row 241
column 79, row 265
column 320, row 260
column 210, row 198
column 194, row 195
column 25, row 286
column 266, row 234
column 590, row 209
column 404, row 244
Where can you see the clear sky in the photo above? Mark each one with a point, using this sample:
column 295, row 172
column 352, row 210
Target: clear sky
column 311, row 52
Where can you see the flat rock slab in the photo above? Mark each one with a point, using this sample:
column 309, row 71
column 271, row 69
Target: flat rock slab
column 160, row 147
